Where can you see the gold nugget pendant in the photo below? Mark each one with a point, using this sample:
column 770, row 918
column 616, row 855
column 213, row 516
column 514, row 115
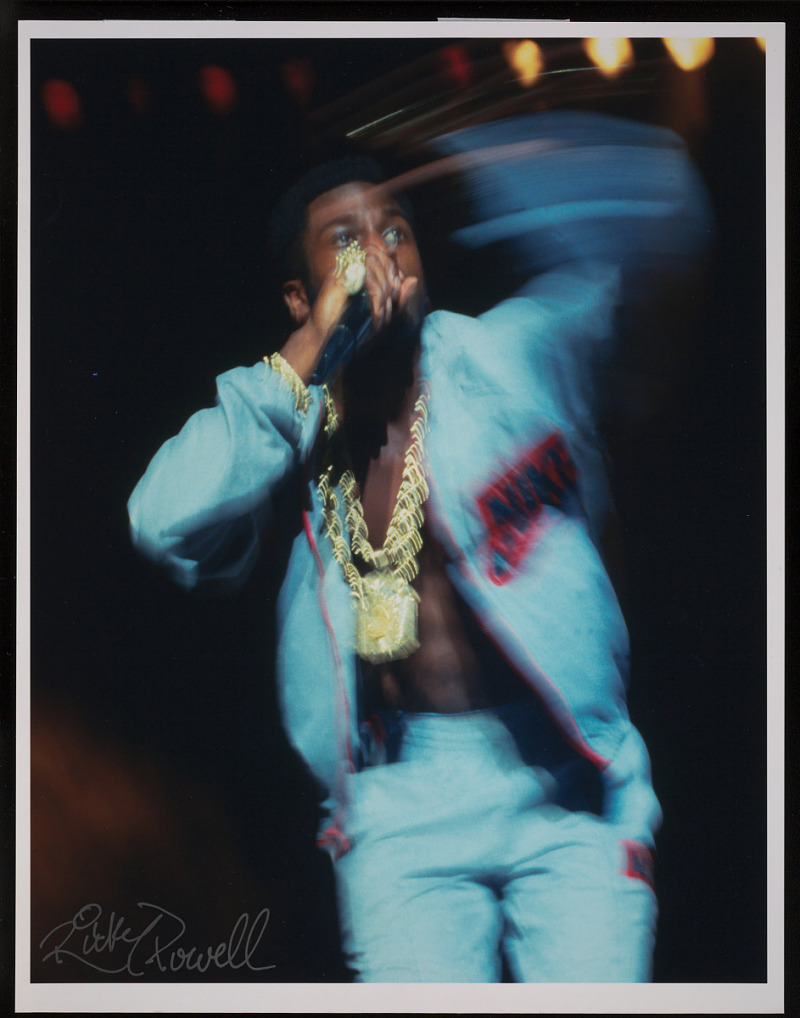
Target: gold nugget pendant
column 386, row 625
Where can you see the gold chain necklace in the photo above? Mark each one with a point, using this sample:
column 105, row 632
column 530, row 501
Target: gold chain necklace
column 386, row 621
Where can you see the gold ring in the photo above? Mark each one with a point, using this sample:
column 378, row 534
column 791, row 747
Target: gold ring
column 352, row 265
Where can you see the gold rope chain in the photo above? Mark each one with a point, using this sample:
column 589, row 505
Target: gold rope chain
column 403, row 539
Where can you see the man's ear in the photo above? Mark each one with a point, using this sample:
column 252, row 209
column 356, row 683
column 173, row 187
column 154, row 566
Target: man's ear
column 296, row 300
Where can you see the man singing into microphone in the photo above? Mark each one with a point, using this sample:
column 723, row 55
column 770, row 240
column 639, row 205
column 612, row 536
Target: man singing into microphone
column 451, row 658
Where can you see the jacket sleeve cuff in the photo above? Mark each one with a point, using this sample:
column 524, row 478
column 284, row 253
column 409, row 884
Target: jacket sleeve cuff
column 291, row 380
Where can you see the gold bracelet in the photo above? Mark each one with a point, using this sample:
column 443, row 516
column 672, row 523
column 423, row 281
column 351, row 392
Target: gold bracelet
column 302, row 397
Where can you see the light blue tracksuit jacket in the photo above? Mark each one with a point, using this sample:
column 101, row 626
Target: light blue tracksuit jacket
column 518, row 489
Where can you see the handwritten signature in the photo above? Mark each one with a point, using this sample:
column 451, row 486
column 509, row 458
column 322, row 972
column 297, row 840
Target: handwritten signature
column 111, row 944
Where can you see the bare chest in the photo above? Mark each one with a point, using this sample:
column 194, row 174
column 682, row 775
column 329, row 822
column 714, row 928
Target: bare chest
column 453, row 669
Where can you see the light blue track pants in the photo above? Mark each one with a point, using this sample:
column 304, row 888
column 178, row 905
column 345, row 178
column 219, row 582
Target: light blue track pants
column 460, row 853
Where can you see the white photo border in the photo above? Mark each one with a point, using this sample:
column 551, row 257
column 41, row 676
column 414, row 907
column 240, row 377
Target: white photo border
column 330, row 998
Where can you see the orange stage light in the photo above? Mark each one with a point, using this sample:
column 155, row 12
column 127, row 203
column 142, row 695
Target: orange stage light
column 525, row 59
column 689, row 54
column 610, row 55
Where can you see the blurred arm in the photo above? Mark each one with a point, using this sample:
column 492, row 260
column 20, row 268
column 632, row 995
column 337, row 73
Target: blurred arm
column 199, row 506
column 566, row 187
column 566, row 197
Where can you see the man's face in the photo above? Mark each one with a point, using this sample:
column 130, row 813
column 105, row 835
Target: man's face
column 369, row 214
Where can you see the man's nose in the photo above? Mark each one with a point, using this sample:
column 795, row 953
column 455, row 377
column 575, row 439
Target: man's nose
column 374, row 236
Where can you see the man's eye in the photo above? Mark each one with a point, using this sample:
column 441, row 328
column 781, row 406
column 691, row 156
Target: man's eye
column 392, row 236
column 342, row 238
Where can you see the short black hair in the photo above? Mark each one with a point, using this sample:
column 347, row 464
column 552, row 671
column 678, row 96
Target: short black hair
column 290, row 215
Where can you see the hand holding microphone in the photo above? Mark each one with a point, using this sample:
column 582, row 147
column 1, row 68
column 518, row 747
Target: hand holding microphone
column 369, row 308
column 360, row 295
column 355, row 325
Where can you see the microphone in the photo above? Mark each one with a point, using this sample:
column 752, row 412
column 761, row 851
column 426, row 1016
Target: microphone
column 346, row 339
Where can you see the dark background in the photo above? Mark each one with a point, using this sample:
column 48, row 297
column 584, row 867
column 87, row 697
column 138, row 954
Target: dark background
column 160, row 772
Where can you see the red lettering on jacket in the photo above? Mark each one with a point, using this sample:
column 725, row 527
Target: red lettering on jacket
column 511, row 506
